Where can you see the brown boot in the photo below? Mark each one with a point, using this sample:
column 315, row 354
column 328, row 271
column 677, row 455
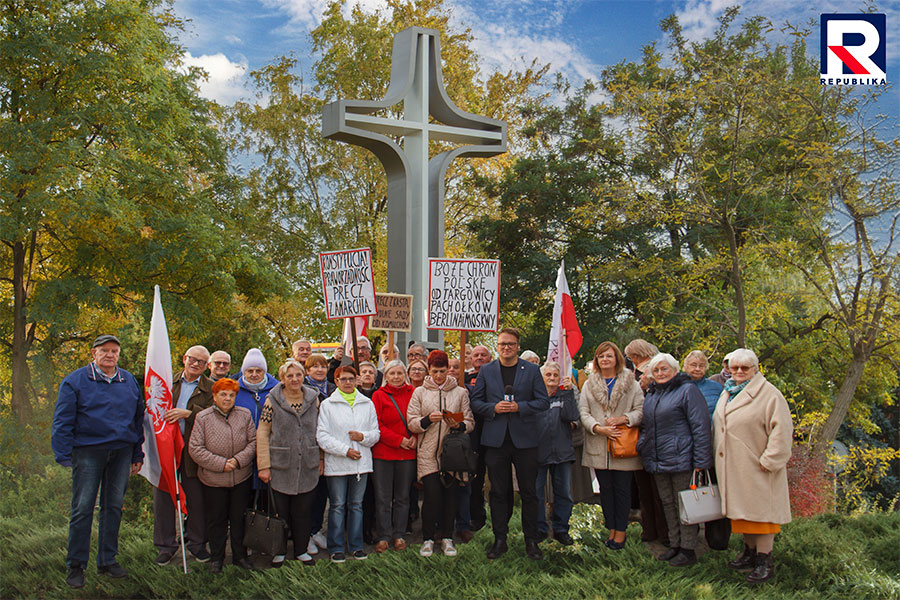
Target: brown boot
column 381, row 546
column 744, row 561
column 764, row 569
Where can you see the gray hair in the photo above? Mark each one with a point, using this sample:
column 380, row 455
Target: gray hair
column 528, row 354
column 367, row 363
column 698, row 354
column 288, row 364
column 662, row 357
column 743, row 356
column 395, row 363
column 551, row 365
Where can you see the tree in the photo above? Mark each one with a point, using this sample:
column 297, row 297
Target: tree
column 113, row 178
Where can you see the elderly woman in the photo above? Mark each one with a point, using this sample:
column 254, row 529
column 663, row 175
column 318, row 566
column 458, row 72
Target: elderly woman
column 653, row 519
column 317, row 378
column 223, row 444
column 674, row 442
column 611, row 399
column 255, row 383
column 394, row 457
column 431, row 414
column 696, row 365
column 347, row 430
column 556, row 454
column 417, row 371
column 287, row 454
column 367, row 375
column 531, row 357
column 753, row 433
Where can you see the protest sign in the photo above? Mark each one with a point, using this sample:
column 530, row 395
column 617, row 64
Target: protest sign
column 463, row 294
column 393, row 312
column 347, row 283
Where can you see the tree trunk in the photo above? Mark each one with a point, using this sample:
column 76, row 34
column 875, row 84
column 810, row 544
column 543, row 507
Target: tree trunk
column 823, row 438
column 737, row 282
column 21, row 401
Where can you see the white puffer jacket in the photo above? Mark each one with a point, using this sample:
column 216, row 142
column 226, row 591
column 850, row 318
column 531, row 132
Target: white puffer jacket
column 336, row 419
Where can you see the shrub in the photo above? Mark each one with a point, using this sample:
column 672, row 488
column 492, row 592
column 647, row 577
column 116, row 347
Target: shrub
column 810, row 484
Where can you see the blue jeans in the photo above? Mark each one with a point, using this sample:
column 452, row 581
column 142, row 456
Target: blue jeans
column 561, row 477
column 93, row 470
column 345, row 496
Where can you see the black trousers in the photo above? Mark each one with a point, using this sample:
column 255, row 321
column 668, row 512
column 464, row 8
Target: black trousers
column 653, row 518
column 225, row 507
column 318, row 505
column 615, row 497
column 165, row 531
column 477, row 513
column 439, row 506
column 296, row 511
column 499, row 461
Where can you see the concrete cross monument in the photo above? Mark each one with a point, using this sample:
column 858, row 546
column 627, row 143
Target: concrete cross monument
column 415, row 181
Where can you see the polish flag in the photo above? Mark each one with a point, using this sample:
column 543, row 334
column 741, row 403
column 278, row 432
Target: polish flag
column 565, row 336
column 346, row 339
column 163, row 443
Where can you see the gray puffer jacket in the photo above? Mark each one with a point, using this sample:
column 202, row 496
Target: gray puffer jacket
column 675, row 431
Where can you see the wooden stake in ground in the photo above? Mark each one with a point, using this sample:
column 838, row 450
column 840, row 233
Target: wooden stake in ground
column 463, row 336
column 390, row 346
column 355, row 349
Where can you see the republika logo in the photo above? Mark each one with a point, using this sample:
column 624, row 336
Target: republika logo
column 853, row 49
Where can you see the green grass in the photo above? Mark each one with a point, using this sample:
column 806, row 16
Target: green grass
column 831, row 556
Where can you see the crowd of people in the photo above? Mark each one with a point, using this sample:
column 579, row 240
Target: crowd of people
column 371, row 441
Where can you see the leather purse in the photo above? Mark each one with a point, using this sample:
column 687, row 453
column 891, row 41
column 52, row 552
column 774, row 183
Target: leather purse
column 700, row 504
column 265, row 532
column 624, row 446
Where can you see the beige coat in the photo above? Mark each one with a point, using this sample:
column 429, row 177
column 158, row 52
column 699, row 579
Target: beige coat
column 751, row 431
column 596, row 406
column 426, row 399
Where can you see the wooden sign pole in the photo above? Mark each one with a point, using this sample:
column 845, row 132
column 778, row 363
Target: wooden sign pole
column 463, row 335
column 355, row 349
column 390, row 346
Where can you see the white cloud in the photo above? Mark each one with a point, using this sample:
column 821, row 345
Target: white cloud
column 225, row 78
column 307, row 14
column 233, row 39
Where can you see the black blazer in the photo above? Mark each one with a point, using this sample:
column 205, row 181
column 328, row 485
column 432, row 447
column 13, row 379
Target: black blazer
column 531, row 395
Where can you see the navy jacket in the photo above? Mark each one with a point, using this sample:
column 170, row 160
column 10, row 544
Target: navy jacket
column 675, row 431
column 555, row 426
column 91, row 412
column 531, row 395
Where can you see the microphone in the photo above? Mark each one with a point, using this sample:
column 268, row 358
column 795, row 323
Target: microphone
column 508, row 394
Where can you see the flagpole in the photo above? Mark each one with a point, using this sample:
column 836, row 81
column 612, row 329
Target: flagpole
column 178, row 513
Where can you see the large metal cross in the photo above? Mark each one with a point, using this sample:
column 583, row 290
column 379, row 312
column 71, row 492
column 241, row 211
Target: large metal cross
column 415, row 182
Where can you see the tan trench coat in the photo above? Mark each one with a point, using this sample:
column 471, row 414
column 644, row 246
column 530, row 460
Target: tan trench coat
column 595, row 407
column 754, row 430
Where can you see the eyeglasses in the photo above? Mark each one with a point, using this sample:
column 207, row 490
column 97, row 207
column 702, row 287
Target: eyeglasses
column 507, row 344
column 734, row 368
column 196, row 361
column 221, row 363
column 346, row 379
column 418, row 370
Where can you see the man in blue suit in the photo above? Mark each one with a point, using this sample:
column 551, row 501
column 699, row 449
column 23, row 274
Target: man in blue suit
column 508, row 395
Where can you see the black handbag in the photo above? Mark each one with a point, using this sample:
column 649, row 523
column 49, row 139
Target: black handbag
column 718, row 533
column 265, row 533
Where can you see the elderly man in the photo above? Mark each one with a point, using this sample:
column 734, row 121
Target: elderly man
column 191, row 393
column 98, row 431
column 508, row 394
column 301, row 350
column 480, row 357
column 416, row 352
column 364, row 348
column 219, row 365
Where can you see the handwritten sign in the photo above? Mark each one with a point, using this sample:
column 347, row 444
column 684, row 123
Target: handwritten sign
column 347, row 283
column 393, row 312
column 463, row 294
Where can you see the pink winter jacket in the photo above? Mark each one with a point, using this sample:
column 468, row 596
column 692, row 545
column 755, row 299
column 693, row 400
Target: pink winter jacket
column 216, row 438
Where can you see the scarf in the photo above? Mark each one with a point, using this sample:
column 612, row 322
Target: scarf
column 734, row 389
column 320, row 386
column 350, row 397
column 255, row 387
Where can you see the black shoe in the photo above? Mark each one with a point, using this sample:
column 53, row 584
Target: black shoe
column 685, row 558
column 215, row 566
column 75, row 577
column 338, row 557
column 532, row 550
column 745, row 561
column 764, row 569
column 668, row 554
column 498, row 548
column 614, row 545
column 201, row 555
column 114, row 570
column 477, row 525
column 360, row 555
column 164, row 558
column 563, row 538
column 243, row 563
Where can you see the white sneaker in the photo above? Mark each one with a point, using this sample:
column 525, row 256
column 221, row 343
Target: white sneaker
column 311, row 547
column 427, row 548
column 448, row 547
column 320, row 539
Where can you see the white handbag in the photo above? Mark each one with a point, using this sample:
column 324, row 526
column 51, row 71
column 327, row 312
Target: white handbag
column 699, row 504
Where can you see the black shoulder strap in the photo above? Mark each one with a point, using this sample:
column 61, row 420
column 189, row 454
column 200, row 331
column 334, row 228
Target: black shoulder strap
column 399, row 412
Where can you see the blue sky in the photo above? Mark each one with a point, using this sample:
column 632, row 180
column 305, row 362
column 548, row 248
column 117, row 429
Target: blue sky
column 228, row 38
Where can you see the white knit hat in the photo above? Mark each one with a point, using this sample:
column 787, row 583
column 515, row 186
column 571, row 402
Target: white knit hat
column 254, row 358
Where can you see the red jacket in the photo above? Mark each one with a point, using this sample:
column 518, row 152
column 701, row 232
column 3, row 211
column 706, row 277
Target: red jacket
column 392, row 426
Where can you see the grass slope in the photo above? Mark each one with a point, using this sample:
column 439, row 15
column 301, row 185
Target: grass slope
column 825, row 557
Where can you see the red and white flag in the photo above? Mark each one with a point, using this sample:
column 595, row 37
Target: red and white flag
column 346, row 339
column 564, row 327
column 163, row 443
